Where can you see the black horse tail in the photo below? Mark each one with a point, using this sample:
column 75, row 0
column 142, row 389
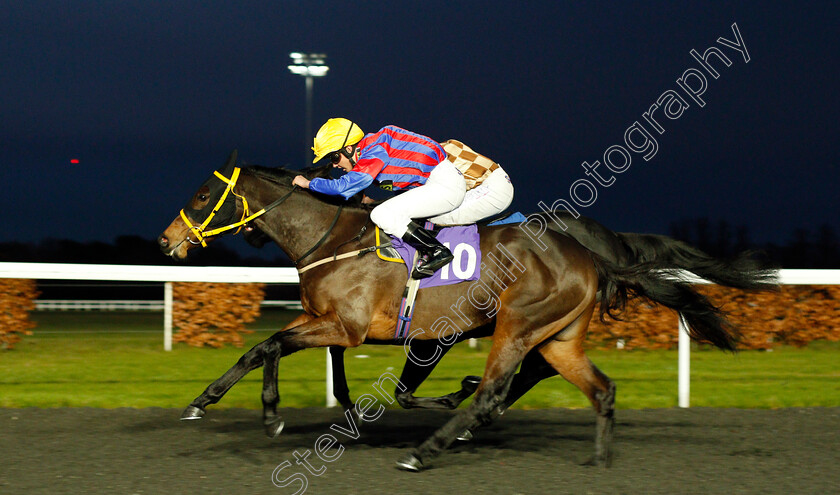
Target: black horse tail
column 706, row 323
column 741, row 272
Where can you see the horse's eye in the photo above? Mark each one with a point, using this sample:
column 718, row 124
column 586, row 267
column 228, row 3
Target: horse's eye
column 202, row 197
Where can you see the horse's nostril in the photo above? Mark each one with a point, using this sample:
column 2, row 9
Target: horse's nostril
column 163, row 241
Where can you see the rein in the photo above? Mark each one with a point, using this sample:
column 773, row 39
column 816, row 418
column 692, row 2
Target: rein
column 323, row 238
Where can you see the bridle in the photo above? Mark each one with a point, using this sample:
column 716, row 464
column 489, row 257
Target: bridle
column 198, row 230
column 201, row 234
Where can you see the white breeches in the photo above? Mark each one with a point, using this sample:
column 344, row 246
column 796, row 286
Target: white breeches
column 443, row 191
column 489, row 198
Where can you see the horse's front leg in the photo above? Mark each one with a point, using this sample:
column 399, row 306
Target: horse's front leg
column 323, row 331
column 270, row 396
column 250, row 361
column 341, row 391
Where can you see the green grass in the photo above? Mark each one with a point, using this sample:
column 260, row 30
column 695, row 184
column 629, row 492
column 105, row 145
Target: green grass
column 76, row 359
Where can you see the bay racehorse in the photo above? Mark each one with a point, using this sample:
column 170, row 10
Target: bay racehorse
column 742, row 272
column 541, row 299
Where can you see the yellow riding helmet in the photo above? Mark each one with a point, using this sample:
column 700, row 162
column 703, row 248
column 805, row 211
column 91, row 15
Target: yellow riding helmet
column 334, row 135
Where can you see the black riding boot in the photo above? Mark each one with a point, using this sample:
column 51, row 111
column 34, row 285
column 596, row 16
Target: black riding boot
column 433, row 255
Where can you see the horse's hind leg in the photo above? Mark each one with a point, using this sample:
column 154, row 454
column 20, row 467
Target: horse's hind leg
column 507, row 352
column 520, row 327
column 425, row 355
column 568, row 359
column 534, row 370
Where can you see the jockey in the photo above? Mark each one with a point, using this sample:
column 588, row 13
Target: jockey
column 400, row 160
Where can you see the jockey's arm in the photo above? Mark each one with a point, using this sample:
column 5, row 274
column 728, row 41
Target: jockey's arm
column 345, row 186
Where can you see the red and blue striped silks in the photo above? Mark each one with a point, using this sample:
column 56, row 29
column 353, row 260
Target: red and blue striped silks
column 393, row 154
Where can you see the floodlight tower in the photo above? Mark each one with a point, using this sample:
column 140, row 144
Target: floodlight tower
column 308, row 65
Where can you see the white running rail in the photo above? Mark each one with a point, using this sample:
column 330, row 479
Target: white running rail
column 169, row 274
column 130, row 305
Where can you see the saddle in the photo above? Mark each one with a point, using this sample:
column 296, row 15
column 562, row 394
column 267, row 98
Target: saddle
column 464, row 242
column 387, row 252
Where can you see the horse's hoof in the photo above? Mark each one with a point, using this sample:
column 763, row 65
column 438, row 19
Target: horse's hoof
column 470, row 383
column 273, row 427
column 355, row 412
column 410, row 463
column 466, row 436
column 192, row 412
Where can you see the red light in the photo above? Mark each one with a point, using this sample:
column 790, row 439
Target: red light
column 74, row 161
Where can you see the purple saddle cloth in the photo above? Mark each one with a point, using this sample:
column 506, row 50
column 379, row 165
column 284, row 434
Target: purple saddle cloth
column 463, row 241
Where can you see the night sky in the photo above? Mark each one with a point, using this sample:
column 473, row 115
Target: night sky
column 150, row 97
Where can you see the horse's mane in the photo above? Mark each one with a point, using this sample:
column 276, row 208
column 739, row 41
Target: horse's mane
column 283, row 176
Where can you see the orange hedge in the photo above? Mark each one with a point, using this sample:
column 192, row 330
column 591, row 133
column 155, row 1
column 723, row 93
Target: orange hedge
column 795, row 315
column 211, row 314
column 215, row 314
column 17, row 299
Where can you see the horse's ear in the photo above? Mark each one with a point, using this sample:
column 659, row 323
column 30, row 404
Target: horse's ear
column 322, row 171
column 227, row 170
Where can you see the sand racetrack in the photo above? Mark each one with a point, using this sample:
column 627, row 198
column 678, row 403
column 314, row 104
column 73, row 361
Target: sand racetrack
column 148, row 451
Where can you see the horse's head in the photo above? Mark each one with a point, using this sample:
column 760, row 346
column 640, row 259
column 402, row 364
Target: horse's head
column 212, row 206
column 215, row 209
